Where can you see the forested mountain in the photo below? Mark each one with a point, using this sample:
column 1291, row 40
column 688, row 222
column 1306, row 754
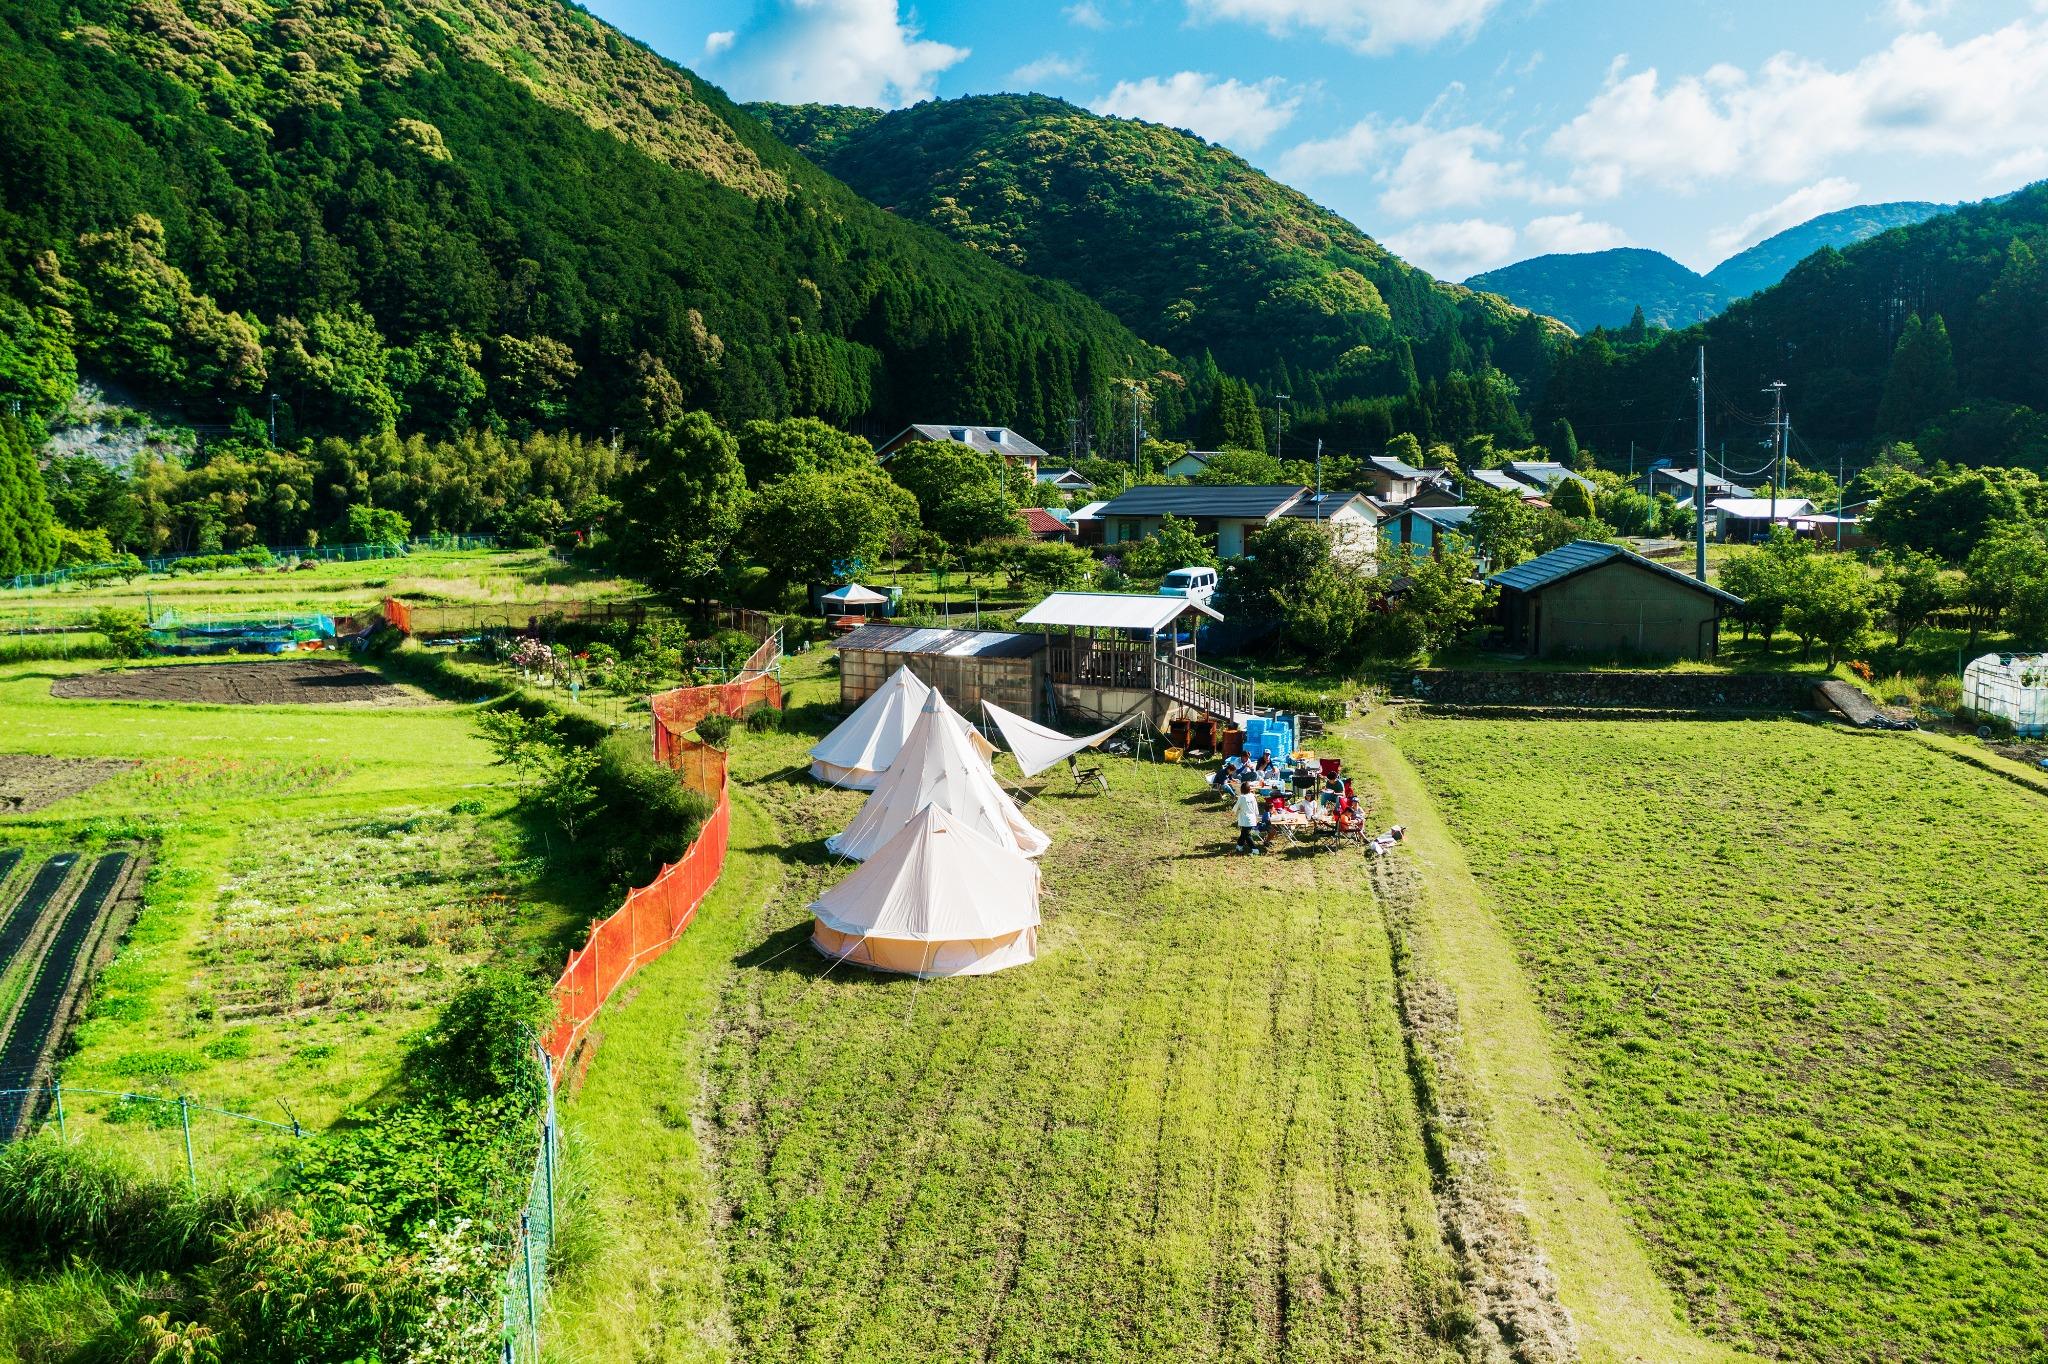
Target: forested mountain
column 1935, row 334
column 1182, row 240
column 1592, row 289
column 471, row 213
column 1771, row 259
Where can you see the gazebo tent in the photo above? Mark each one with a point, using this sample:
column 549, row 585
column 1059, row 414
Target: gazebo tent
column 859, row 751
column 939, row 765
column 937, row 899
column 853, row 597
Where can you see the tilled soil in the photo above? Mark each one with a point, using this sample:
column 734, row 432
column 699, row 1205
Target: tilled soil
column 287, row 682
column 29, row 781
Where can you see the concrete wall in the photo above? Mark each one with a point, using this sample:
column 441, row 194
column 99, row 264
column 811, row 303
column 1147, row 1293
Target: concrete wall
column 1617, row 690
column 1614, row 610
column 1108, row 704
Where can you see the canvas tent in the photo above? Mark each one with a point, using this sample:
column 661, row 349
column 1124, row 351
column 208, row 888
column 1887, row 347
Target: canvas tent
column 1036, row 747
column 938, row 765
column 859, row 751
column 852, row 595
column 937, row 899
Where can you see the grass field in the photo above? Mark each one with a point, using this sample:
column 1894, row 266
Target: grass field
column 321, row 876
column 1186, row 1132
column 1796, row 977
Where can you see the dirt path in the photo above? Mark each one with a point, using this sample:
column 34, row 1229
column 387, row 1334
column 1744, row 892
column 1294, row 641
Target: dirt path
column 30, row 781
column 1623, row 1312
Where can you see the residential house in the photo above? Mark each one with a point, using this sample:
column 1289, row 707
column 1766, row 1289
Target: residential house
column 1230, row 512
column 1423, row 530
column 1041, row 524
column 1438, row 492
column 1545, row 474
column 1394, row 480
column 1086, row 523
column 1746, row 520
column 987, row 440
column 1502, row 481
column 1593, row 599
column 1189, row 464
column 1353, row 518
column 1682, row 484
column 1066, row 480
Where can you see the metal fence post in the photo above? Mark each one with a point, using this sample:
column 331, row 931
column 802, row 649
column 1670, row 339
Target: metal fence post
column 62, row 1135
column 185, row 1120
column 532, row 1309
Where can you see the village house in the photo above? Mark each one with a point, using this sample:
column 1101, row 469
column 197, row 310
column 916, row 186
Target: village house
column 987, row 440
column 1596, row 600
column 1423, row 530
column 1502, row 481
column 1230, row 512
column 1352, row 518
column 1069, row 480
column 1545, row 474
column 1041, row 524
column 1682, row 484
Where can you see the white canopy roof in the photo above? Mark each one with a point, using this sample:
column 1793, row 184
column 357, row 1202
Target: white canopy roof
column 1120, row 610
column 853, row 594
column 935, row 880
column 938, row 765
column 1761, row 508
column 860, row 750
column 1036, row 747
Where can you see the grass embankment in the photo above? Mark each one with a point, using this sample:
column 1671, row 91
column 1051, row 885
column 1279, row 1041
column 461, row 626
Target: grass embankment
column 1186, row 1132
column 1795, row 974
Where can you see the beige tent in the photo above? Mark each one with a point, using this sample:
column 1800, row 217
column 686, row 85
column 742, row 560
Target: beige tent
column 939, row 765
column 937, row 899
column 859, row 751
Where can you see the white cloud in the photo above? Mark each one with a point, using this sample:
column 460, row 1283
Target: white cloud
column 1785, row 123
column 1913, row 13
column 1086, row 14
column 1051, row 67
column 1366, row 25
column 1571, row 232
column 715, row 43
column 2021, row 168
column 1349, row 152
column 1454, row 250
column 1239, row 115
column 1790, row 211
column 836, row 52
column 1424, row 168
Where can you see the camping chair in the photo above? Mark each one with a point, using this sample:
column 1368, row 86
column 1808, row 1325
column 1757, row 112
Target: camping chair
column 1085, row 777
column 1331, row 767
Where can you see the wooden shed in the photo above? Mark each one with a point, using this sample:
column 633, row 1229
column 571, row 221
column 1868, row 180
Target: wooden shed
column 1591, row 599
column 965, row 666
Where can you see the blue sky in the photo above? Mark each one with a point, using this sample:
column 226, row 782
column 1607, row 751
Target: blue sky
column 1467, row 133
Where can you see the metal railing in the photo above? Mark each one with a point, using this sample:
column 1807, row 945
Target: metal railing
column 1222, row 694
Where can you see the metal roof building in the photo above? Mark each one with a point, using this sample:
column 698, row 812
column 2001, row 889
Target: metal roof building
column 1598, row 600
column 1205, row 501
column 1112, row 611
column 965, row 665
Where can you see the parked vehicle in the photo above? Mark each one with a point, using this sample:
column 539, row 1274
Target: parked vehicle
column 1196, row 584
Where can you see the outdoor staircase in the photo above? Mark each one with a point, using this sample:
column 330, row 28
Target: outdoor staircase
column 1209, row 690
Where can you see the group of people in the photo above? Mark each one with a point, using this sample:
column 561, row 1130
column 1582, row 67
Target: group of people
column 1263, row 790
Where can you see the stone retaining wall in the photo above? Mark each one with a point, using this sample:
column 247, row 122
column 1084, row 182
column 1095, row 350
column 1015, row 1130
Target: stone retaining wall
column 1637, row 691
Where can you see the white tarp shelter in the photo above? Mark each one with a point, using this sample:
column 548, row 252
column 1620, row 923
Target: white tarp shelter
column 859, row 751
column 939, row 765
column 1036, row 747
column 2014, row 686
column 853, row 594
column 937, row 899
column 1113, row 610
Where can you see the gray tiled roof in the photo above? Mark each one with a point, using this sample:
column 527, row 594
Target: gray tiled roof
column 1223, row 500
column 1000, row 440
column 1312, row 508
column 1580, row 555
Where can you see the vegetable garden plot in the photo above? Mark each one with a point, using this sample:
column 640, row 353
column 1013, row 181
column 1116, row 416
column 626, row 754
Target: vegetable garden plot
column 287, row 682
column 10, row 858
column 21, row 924
column 34, row 1031
column 30, row 781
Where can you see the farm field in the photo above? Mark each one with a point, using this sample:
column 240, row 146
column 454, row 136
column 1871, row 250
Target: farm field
column 321, row 876
column 1795, row 976
column 1187, row 1131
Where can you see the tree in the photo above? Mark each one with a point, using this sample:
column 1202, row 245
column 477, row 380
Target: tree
column 1240, row 467
column 1234, row 421
column 1277, row 560
column 2009, row 331
column 334, row 369
column 2002, row 572
column 1508, row 530
column 688, row 497
column 1829, row 603
column 815, row 527
column 28, row 530
column 1174, row 545
column 1950, row 512
column 1570, row 498
column 1911, row 587
column 372, row 526
column 1443, row 594
column 1628, row 512
column 799, row 445
column 1767, row 579
column 1921, row 384
column 962, row 495
column 1564, row 443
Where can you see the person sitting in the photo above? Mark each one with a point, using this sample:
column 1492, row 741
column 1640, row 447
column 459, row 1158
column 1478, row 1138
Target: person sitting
column 1228, row 775
column 1250, row 816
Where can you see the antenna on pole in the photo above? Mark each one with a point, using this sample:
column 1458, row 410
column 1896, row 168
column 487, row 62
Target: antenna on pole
column 1699, row 482
column 1279, row 420
column 1319, row 478
column 1777, row 392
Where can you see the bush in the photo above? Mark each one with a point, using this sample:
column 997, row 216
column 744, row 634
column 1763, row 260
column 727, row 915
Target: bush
column 651, row 817
column 481, row 1046
column 56, row 1201
column 716, row 730
column 764, row 720
column 126, row 631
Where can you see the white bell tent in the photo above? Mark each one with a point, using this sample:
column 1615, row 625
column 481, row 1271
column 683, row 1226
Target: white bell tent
column 1035, row 747
column 865, row 743
column 939, row 764
column 937, row 899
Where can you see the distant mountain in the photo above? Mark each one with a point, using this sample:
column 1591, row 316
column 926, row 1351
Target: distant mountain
column 1771, row 259
column 1604, row 288
column 1190, row 246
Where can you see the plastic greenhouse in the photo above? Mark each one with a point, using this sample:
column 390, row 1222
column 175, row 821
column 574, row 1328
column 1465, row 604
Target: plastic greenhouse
column 2014, row 686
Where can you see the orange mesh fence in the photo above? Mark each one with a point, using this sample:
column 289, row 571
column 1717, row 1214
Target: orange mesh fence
column 656, row 914
column 398, row 614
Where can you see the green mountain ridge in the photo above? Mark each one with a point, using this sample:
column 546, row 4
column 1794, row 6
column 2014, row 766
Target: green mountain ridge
column 1186, row 243
column 1771, row 259
column 468, row 212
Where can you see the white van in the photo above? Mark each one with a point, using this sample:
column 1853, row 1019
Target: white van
column 1196, row 584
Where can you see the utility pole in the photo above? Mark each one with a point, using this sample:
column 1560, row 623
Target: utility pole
column 273, row 421
column 1136, row 426
column 1777, row 392
column 1699, row 483
column 1279, row 421
column 1319, row 478
column 1841, row 493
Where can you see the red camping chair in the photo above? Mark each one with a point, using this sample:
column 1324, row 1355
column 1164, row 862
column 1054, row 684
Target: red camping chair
column 1331, row 767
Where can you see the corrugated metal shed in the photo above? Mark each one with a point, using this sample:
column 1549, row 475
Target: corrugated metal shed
column 1233, row 501
column 907, row 639
column 1581, row 555
column 1111, row 610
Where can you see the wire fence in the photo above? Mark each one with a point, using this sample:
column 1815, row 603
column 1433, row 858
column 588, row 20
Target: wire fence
column 164, row 563
column 160, row 1134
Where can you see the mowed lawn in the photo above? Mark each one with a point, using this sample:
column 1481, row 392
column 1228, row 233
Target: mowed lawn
column 1800, row 977
column 1186, row 1132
